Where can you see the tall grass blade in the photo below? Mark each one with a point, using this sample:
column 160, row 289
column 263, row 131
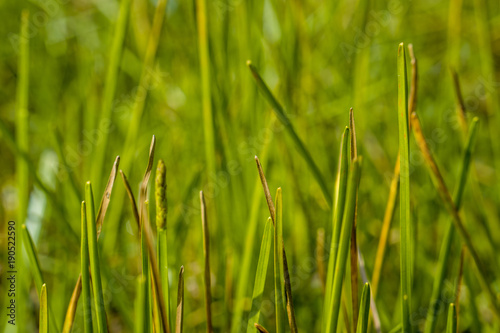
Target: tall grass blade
column 281, row 115
column 364, row 310
column 279, row 285
column 260, row 275
column 354, row 243
column 444, row 253
column 44, row 320
column 141, row 302
column 131, row 197
column 345, row 237
column 394, row 187
column 94, row 260
column 338, row 212
column 451, row 326
column 404, row 194
column 320, row 256
column 206, row 255
column 103, row 208
column 110, row 85
column 32, row 253
column 180, row 303
column 452, row 209
column 85, row 275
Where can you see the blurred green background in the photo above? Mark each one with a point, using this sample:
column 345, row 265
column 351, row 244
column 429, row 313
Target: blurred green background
column 319, row 58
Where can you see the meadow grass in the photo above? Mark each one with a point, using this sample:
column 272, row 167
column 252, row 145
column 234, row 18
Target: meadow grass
column 211, row 122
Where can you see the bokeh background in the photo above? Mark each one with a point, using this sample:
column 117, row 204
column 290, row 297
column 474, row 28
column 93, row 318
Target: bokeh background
column 319, row 58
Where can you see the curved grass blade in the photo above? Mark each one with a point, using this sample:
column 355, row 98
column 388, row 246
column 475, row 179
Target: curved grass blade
column 451, row 326
column 180, row 303
column 32, row 253
column 364, row 310
column 444, row 253
column 279, row 285
column 260, row 328
column 345, row 236
column 339, row 204
column 281, row 115
column 94, row 261
column 404, row 194
column 85, row 276
column 287, row 282
column 132, row 200
column 44, row 320
column 260, row 275
column 73, row 304
column 452, row 209
column 206, row 254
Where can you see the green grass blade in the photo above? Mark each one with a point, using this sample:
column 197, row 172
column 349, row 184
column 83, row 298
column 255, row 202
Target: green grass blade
column 404, row 194
column 444, row 253
column 279, row 285
column 44, row 320
column 281, row 115
column 30, row 248
column 364, row 310
column 141, row 302
column 452, row 209
column 110, row 84
column 87, row 302
column 354, row 243
column 260, row 276
column 340, row 193
column 179, row 321
column 206, row 255
column 94, row 260
column 345, row 237
column 451, row 326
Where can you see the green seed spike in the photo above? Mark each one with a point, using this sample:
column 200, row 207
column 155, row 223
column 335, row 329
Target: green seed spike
column 44, row 321
column 404, row 194
column 160, row 189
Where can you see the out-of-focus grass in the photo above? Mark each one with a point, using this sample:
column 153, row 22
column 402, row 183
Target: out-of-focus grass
column 77, row 63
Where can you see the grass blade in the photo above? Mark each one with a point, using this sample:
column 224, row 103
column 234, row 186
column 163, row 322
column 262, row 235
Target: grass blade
column 260, row 328
column 345, row 236
column 281, row 115
column 103, row 208
column 180, row 303
column 161, row 225
column 94, row 260
column 338, row 212
column 141, row 321
column 132, row 200
column 354, row 243
column 206, row 254
column 451, row 326
column 364, row 310
column 279, row 288
column 404, row 194
column 85, row 276
column 444, row 253
column 44, row 320
column 452, row 209
column 260, row 275
column 30, row 248
column 320, row 256
column 110, row 83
